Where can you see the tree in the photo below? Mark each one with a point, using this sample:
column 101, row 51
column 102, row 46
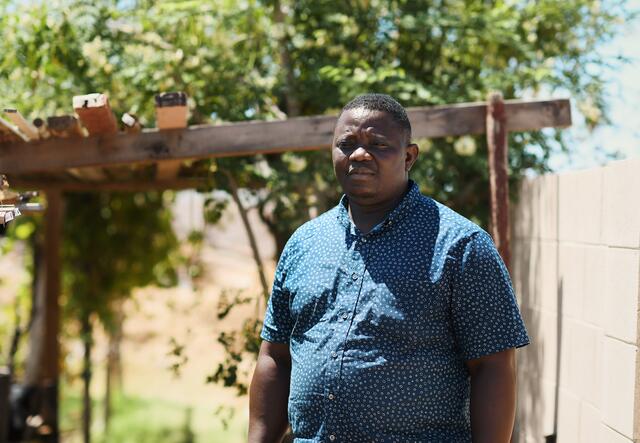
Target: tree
column 113, row 243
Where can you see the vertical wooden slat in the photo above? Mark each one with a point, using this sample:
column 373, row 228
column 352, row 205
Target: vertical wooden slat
column 498, row 174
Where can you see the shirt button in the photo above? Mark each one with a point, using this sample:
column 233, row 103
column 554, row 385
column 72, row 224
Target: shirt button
column 334, row 354
column 332, row 437
column 354, row 276
column 364, row 240
column 345, row 315
column 331, row 396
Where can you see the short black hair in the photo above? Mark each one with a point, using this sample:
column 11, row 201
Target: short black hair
column 384, row 103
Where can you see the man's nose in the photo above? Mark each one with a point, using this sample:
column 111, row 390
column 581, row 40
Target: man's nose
column 360, row 154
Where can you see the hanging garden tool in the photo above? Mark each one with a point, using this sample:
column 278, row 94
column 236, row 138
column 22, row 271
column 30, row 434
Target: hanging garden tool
column 8, row 200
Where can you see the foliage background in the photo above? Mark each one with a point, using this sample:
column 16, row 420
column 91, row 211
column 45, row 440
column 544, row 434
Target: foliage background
column 250, row 59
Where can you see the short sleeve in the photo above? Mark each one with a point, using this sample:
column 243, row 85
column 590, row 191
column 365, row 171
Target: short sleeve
column 485, row 313
column 277, row 321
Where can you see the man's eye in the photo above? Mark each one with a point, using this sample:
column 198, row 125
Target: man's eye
column 345, row 145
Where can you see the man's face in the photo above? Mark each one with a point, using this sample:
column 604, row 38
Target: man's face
column 371, row 157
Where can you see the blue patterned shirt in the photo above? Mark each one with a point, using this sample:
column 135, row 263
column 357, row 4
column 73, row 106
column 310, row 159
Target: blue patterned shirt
column 379, row 325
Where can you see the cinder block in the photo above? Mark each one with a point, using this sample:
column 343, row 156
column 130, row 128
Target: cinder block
column 540, row 358
column 566, row 329
column 595, row 294
column 522, row 212
column 538, row 275
column 585, row 362
column 571, row 279
column 520, row 269
column 548, row 407
column 580, row 206
column 618, row 385
column 621, row 211
column 621, row 300
column 536, row 211
column 608, row 435
column 590, row 423
column 568, row 417
column 582, row 279
column 536, row 408
column 547, row 206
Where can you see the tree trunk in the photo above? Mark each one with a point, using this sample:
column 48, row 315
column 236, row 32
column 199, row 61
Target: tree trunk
column 33, row 364
column 113, row 371
column 107, row 391
column 87, row 340
column 252, row 238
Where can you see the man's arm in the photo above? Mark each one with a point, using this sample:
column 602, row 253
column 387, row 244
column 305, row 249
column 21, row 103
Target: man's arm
column 493, row 396
column 269, row 393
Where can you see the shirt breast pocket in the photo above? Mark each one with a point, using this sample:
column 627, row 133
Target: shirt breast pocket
column 414, row 310
column 307, row 309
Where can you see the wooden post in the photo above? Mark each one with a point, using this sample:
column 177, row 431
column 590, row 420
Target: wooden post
column 50, row 370
column 498, row 174
column 5, row 386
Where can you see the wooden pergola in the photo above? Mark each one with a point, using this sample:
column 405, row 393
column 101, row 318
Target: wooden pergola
column 159, row 159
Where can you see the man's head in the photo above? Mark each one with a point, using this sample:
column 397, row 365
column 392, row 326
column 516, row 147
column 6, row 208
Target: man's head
column 372, row 150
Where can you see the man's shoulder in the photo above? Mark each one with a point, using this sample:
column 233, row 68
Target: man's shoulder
column 453, row 230
column 321, row 224
column 448, row 219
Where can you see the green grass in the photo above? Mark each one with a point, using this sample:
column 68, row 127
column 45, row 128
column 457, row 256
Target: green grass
column 147, row 420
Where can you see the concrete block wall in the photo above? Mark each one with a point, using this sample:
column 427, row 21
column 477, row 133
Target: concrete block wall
column 576, row 271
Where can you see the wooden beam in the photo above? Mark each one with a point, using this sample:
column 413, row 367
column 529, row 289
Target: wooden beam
column 8, row 134
column 64, row 126
column 171, row 113
column 131, row 123
column 90, row 174
column 260, row 137
column 30, row 131
column 496, row 122
column 41, row 125
column 95, row 113
column 115, row 186
column 171, row 110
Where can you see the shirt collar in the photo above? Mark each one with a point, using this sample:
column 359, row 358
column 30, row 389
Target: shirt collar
column 409, row 199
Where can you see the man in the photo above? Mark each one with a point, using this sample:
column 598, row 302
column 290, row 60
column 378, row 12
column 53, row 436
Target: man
column 392, row 318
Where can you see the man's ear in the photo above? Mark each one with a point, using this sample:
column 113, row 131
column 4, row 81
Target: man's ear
column 411, row 156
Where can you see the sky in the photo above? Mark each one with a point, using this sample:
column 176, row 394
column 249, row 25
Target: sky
column 622, row 136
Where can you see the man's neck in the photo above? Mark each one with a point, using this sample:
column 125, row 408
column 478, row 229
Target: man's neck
column 366, row 217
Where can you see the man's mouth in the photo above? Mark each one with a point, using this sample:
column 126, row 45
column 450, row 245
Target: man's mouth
column 360, row 171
